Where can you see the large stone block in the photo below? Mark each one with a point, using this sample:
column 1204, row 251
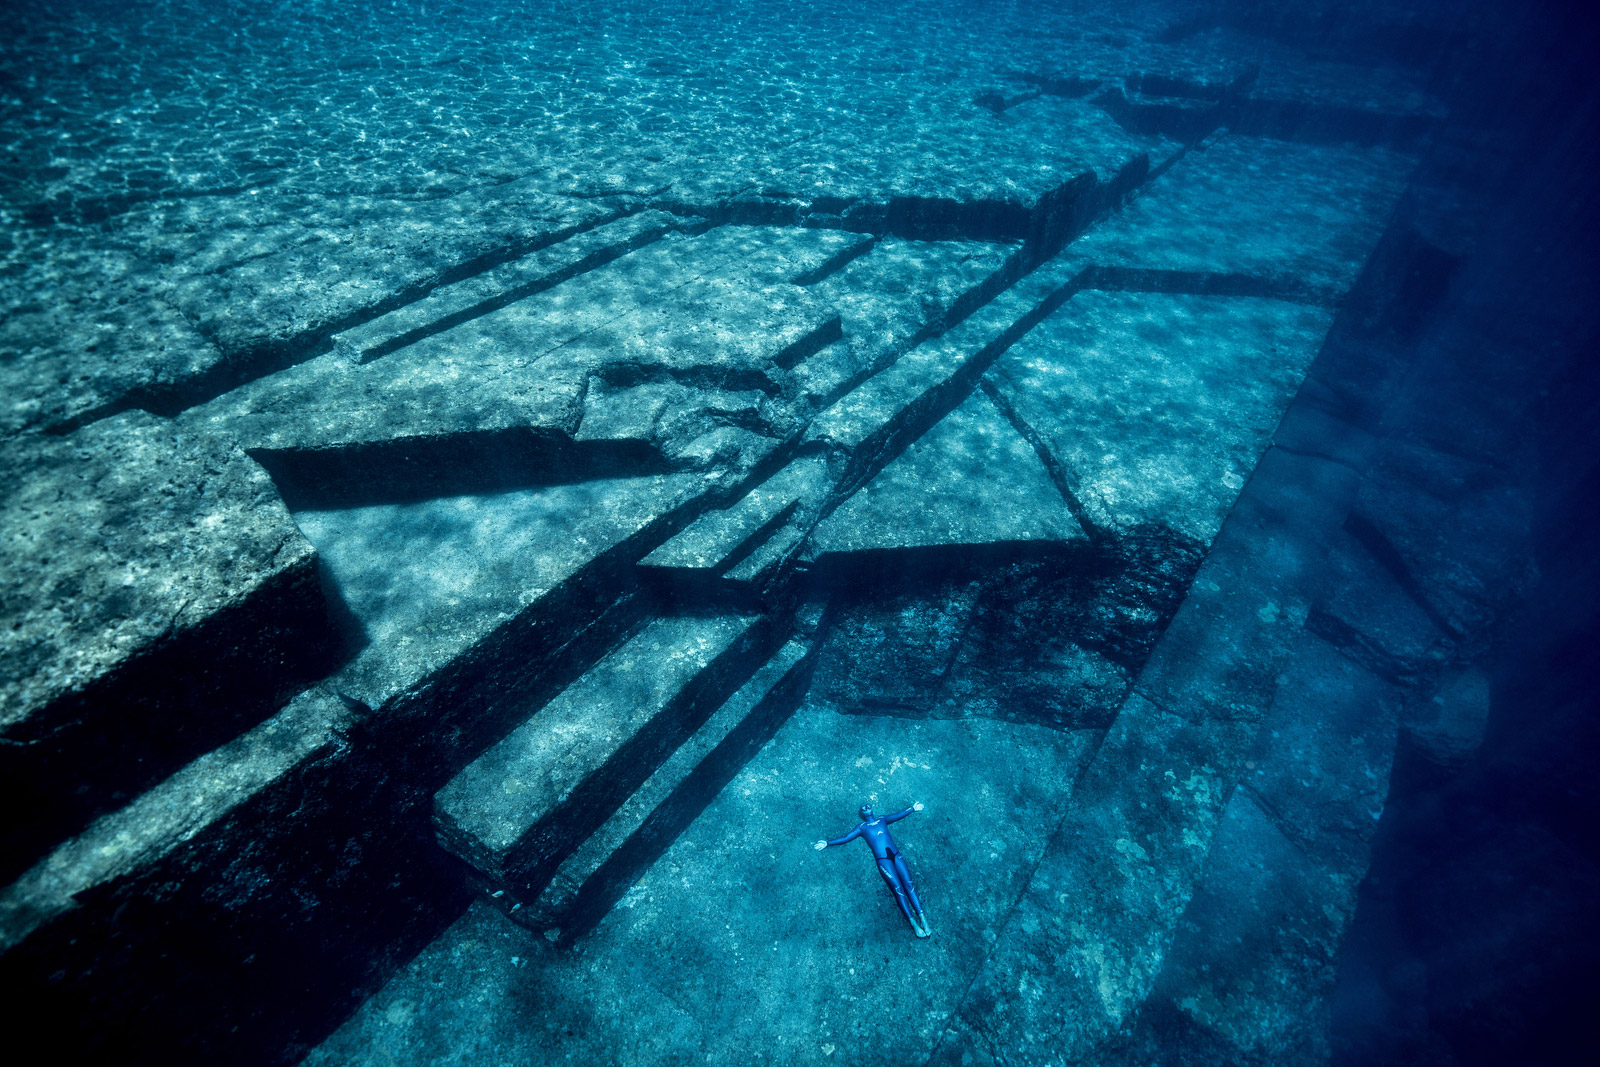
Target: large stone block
column 673, row 352
column 531, row 798
column 428, row 582
column 971, row 480
column 157, row 600
column 1158, row 406
column 741, row 936
column 1256, row 215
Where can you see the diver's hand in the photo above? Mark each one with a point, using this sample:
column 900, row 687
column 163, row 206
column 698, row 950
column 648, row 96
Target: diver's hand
column 820, row 845
column 917, row 806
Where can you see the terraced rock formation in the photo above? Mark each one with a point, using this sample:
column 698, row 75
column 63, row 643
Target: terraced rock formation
column 510, row 523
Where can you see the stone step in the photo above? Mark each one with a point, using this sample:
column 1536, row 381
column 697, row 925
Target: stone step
column 971, row 480
column 452, row 304
column 463, row 602
column 156, row 600
column 250, row 794
column 590, row 880
column 431, row 582
column 876, row 420
column 440, row 654
column 673, row 351
column 720, row 539
column 895, row 297
column 524, row 804
column 758, row 570
column 1156, row 407
column 466, row 605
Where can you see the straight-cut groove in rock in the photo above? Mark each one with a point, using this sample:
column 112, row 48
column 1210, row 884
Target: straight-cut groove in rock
column 598, row 258
column 662, row 827
column 268, row 357
column 1064, row 479
column 889, row 440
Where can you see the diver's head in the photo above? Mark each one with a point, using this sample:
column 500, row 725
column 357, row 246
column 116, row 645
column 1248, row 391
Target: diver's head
column 866, row 813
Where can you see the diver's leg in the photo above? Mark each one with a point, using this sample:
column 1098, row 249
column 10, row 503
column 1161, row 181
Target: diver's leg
column 905, row 880
column 920, row 922
column 890, row 875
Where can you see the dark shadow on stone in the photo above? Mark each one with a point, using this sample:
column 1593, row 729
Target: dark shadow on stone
column 303, row 901
column 600, row 893
column 535, row 857
column 423, row 468
column 95, row 749
column 1373, row 539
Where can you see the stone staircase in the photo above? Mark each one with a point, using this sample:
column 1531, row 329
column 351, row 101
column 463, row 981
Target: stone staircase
column 576, row 503
column 1002, row 421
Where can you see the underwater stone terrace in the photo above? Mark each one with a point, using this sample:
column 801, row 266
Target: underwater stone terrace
column 532, row 550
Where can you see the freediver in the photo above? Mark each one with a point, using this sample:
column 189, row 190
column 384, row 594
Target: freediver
column 875, row 830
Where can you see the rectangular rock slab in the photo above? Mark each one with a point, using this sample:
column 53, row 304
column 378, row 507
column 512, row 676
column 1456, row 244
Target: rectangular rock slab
column 766, row 562
column 583, row 876
column 64, row 368
column 561, row 774
column 277, row 299
column 427, row 581
column 894, row 298
column 970, row 480
column 1157, row 406
column 1088, row 937
column 175, row 810
column 712, row 542
column 715, row 311
column 452, row 304
column 872, row 421
column 157, row 599
column 1294, row 219
column 1257, row 952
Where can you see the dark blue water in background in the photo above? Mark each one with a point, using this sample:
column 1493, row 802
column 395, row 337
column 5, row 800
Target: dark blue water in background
column 1476, row 934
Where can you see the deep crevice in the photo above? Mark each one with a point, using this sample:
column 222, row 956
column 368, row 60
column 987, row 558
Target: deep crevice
column 1360, row 649
column 532, row 861
column 830, row 331
column 93, row 750
column 629, row 374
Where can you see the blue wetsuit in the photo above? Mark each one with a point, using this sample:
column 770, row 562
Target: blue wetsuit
column 874, row 829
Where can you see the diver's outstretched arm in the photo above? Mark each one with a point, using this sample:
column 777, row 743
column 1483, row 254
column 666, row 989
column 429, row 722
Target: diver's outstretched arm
column 897, row 816
column 851, row 836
